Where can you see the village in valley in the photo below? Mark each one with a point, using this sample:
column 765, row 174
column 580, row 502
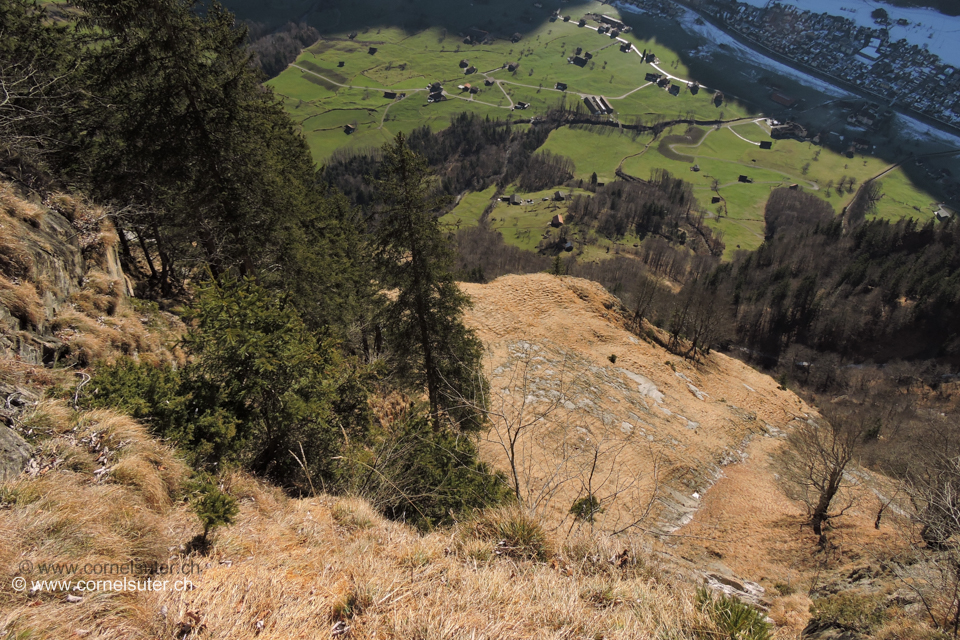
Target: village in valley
column 894, row 71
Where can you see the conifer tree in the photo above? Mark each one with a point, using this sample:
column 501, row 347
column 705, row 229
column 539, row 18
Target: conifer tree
column 215, row 509
column 423, row 320
column 183, row 134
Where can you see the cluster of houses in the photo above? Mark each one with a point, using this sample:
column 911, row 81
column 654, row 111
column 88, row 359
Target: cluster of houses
column 788, row 130
column 476, row 36
column 663, row 82
column 895, row 71
column 580, row 57
column 869, row 115
column 435, row 93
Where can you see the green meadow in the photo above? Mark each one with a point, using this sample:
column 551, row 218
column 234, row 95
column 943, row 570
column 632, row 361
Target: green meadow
column 341, row 80
column 337, row 91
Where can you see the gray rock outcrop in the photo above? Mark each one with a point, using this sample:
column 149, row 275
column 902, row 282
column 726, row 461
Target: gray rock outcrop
column 15, row 453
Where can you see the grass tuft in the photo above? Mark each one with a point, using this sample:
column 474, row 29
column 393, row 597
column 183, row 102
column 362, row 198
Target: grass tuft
column 354, row 514
column 848, row 610
column 733, row 618
column 23, row 302
column 514, row 533
column 15, row 206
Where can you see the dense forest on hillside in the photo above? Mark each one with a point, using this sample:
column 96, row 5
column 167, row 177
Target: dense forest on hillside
column 274, row 49
column 472, row 154
column 879, row 290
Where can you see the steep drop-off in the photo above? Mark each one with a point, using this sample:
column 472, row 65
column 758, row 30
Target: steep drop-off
column 657, row 426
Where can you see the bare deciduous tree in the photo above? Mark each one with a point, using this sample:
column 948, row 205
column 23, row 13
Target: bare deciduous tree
column 645, row 293
column 932, row 569
column 556, row 446
column 814, row 466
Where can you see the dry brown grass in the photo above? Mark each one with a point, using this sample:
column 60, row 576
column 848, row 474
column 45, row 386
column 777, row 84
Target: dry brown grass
column 26, row 374
column 335, row 562
column 102, row 491
column 299, row 568
column 100, row 294
column 13, row 205
column 65, row 204
column 792, row 611
column 15, row 260
column 22, row 300
column 103, row 325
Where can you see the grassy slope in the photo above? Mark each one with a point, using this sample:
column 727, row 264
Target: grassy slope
column 295, row 568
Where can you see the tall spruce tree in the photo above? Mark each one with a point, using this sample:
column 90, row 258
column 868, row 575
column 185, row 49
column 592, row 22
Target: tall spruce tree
column 423, row 319
column 185, row 136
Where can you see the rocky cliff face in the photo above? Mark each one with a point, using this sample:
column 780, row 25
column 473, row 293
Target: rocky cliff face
column 63, row 293
column 64, row 303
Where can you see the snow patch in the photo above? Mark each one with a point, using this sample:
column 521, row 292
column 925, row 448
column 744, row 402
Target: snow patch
column 628, row 8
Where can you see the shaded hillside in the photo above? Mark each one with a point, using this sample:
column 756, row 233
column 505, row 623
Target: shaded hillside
column 871, row 289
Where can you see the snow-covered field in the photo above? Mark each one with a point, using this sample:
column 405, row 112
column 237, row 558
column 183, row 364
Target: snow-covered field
column 940, row 33
column 920, row 130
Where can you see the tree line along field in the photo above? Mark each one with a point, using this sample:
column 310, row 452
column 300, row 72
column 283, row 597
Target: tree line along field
column 340, row 82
